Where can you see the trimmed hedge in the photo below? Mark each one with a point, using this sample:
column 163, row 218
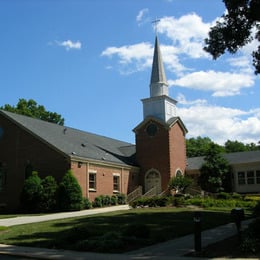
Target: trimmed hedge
column 106, row 200
column 221, row 203
column 226, row 201
column 155, row 201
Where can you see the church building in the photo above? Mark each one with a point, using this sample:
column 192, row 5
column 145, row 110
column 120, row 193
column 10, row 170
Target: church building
column 102, row 165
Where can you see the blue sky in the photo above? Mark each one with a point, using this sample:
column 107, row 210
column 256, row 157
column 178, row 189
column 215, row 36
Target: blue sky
column 90, row 61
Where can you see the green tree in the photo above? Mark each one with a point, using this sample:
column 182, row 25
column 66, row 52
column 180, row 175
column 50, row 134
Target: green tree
column 31, row 193
column 253, row 146
column 70, row 193
column 215, row 173
column 234, row 146
column 32, row 109
column 49, row 194
column 179, row 183
column 234, row 30
column 198, row 146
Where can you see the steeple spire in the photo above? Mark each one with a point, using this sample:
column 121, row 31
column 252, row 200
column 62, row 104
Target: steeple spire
column 159, row 105
column 158, row 83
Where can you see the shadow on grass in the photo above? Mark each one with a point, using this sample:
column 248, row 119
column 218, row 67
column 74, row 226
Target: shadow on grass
column 113, row 232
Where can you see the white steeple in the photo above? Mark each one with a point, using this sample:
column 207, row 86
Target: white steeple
column 159, row 105
column 158, row 83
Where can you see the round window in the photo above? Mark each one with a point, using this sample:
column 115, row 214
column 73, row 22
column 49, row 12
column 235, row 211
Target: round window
column 151, row 129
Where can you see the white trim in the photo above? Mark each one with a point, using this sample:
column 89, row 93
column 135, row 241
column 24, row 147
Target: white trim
column 178, row 170
column 116, row 174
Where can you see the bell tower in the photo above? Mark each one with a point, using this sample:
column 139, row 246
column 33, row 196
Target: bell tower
column 160, row 137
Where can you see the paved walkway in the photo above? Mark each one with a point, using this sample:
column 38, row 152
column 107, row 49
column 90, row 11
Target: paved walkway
column 173, row 249
column 7, row 222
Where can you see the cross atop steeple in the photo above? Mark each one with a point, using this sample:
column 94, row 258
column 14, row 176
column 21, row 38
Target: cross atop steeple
column 155, row 22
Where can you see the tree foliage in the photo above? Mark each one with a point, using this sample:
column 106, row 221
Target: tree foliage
column 234, row 30
column 198, row 146
column 215, row 172
column 70, row 193
column 32, row 109
column 236, row 146
column 179, row 183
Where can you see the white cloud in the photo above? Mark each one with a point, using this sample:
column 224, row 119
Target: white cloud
column 220, row 83
column 187, row 33
column 70, row 44
column 221, row 123
column 132, row 58
column 142, row 16
column 138, row 57
column 183, row 101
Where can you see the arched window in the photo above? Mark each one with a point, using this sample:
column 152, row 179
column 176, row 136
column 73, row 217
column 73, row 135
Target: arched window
column 178, row 173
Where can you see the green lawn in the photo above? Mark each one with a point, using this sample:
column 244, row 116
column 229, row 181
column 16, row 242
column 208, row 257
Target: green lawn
column 112, row 232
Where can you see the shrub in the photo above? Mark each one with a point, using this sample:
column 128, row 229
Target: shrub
column 70, row 193
column 140, row 202
column 114, row 200
column 97, row 203
column 49, row 194
column 87, row 203
column 223, row 195
column 220, row 203
column 31, row 193
column 236, row 196
column 121, row 199
column 106, row 200
column 178, row 201
column 249, row 244
column 155, row 201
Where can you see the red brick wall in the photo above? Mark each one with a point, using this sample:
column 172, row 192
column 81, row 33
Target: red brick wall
column 80, row 172
column 177, row 149
column 165, row 151
column 17, row 147
column 104, row 179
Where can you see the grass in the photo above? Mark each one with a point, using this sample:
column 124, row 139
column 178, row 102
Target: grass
column 112, row 232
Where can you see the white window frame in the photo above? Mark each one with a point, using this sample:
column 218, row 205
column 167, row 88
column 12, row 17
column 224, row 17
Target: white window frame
column 94, row 188
column 117, row 177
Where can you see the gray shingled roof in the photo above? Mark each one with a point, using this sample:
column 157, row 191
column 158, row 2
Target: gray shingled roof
column 77, row 143
column 195, row 163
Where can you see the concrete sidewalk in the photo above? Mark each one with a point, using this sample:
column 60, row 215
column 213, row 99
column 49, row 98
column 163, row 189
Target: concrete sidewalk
column 7, row 222
column 184, row 245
